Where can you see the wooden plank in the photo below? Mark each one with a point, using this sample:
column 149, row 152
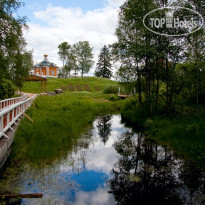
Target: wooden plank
column 34, row 78
column 124, row 96
column 25, row 114
column 11, row 196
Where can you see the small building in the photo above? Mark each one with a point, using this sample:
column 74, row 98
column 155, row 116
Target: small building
column 46, row 68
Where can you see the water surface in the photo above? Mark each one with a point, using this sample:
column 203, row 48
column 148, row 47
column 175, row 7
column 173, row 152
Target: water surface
column 110, row 164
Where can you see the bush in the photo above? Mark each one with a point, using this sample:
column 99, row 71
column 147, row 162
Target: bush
column 6, row 89
column 113, row 98
column 149, row 124
column 151, row 127
column 111, row 90
column 192, row 129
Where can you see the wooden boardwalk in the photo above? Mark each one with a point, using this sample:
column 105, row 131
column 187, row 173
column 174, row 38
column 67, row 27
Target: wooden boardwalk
column 124, row 96
column 9, row 119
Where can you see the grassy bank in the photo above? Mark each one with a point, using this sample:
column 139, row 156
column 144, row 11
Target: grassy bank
column 184, row 134
column 58, row 120
column 52, row 83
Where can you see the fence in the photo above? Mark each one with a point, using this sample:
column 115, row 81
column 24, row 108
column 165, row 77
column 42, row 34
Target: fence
column 10, row 115
column 8, row 102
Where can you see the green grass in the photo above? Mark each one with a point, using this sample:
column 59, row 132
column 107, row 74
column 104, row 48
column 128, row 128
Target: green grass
column 185, row 135
column 58, row 120
column 52, row 84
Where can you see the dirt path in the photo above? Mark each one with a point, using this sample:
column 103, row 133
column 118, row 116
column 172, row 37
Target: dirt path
column 28, row 94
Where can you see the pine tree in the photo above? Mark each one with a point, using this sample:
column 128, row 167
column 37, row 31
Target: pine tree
column 104, row 67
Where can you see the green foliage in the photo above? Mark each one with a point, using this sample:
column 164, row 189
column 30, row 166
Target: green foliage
column 15, row 60
column 104, row 66
column 133, row 114
column 22, row 65
column 192, row 129
column 149, row 124
column 63, row 50
column 78, row 57
column 84, row 56
column 6, row 89
column 71, row 61
column 114, row 98
column 184, row 135
column 152, row 63
column 111, row 90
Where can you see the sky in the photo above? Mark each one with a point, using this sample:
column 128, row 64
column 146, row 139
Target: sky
column 52, row 22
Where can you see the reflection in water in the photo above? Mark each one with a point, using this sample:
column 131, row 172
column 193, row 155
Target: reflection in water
column 109, row 164
column 150, row 174
column 103, row 125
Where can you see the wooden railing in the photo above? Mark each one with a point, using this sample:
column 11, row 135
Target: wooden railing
column 8, row 102
column 9, row 115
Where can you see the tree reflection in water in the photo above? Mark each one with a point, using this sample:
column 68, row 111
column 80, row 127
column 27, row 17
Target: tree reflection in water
column 142, row 172
column 104, row 125
column 150, row 174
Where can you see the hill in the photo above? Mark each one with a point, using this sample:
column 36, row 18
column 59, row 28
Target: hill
column 91, row 84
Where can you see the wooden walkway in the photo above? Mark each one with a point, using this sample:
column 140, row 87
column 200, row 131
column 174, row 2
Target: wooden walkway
column 10, row 116
column 124, row 96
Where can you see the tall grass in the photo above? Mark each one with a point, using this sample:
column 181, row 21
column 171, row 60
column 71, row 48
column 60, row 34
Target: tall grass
column 184, row 134
column 58, row 120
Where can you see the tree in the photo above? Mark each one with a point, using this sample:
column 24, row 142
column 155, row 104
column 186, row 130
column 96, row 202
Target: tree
column 84, row 56
column 138, row 174
column 22, row 65
column 103, row 125
column 63, row 51
column 15, row 60
column 104, row 66
column 196, row 50
column 133, row 49
column 10, row 34
column 71, row 63
column 150, row 60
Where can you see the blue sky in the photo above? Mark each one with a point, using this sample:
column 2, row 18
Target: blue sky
column 37, row 5
column 55, row 21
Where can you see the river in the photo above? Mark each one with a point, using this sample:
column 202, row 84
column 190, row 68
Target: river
column 109, row 164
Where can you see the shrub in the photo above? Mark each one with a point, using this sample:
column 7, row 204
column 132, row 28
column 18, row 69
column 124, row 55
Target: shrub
column 6, row 89
column 149, row 124
column 151, row 127
column 113, row 98
column 111, row 90
column 192, row 129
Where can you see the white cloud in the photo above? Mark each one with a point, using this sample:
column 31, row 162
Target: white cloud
column 115, row 3
column 98, row 156
column 100, row 197
column 60, row 24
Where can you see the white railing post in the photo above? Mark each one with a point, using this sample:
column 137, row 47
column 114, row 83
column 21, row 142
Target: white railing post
column 8, row 118
column 1, row 124
column 8, row 102
column 13, row 114
column 9, row 115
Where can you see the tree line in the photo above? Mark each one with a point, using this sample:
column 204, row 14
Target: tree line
column 77, row 57
column 168, row 72
column 15, row 60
